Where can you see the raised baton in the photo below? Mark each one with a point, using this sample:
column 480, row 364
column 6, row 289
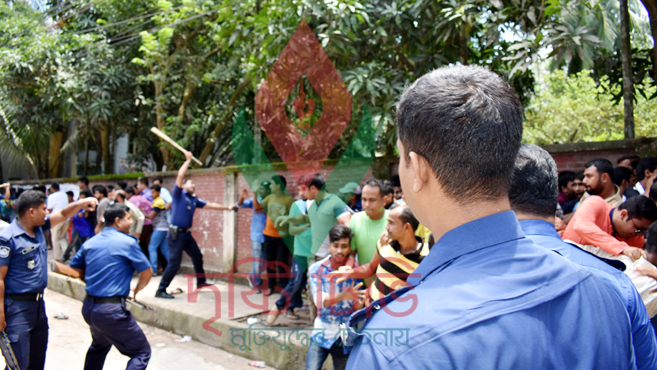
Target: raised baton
column 170, row 141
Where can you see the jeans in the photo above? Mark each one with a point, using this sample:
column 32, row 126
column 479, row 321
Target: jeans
column 158, row 240
column 112, row 324
column 317, row 355
column 27, row 329
column 293, row 288
column 185, row 242
column 256, row 251
column 275, row 250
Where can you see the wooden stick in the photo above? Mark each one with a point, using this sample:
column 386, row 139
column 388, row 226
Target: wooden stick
column 170, row 141
column 60, row 268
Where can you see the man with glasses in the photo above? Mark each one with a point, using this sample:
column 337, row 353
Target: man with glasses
column 610, row 231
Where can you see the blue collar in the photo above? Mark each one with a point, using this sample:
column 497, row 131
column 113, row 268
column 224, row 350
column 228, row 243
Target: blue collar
column 470, row 237
column 539, row 227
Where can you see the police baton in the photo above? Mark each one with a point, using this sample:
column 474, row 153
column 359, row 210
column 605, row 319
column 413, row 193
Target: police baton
column 7, row 352
column 139, row 304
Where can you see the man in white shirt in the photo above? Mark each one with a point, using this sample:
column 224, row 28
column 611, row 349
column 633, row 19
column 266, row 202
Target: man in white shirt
column 56, row 201
column 646, row 171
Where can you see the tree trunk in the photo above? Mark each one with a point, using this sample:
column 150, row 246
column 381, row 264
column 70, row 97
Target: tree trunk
column 105, row 142
column 209, row 144
column 159, row 116
column 53, row 155
column 626, row 57
column 651, row 7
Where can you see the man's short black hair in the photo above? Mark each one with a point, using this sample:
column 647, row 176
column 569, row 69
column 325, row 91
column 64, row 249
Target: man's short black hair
column 653, row 191
column 376, row 183
column 121, row 193
column 634, row 160
column 30, row 199
column 602, row 165
column 396, row 182
column 157, row 188
column 110, row 188
column 86, row 193
column 467, row 122
column 70, row 194
column 640, row 207
column 318, row 181
column 339, row 232
column 647, row 163
column 534, row 187
column 122, row 184
column 55, row 186
column 565, row 177
column 280, row 180
column 130, row 190
column 388, row 188
column 101, row 189
column 579, row 176
column 116, row 210
column 158, row 179
column 622, row 173
column 143, row 180
column 84, row 180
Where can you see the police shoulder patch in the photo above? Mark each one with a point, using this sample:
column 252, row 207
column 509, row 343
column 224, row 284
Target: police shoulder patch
column 4, row 251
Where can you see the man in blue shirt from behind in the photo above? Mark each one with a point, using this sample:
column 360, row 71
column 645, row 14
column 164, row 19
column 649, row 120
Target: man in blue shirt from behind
column 107, row 261
column 486, row 296
column 533, row 196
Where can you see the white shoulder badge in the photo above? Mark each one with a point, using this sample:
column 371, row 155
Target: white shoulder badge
column 4, row 252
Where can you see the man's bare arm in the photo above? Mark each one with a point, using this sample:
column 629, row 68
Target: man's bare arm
column 219, row 207
column 144, row 278
column 183, row 169
column 57, row 217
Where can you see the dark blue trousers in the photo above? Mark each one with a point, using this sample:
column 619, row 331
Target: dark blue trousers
column 186, row 243
column 112, row 324
column 294, row 287
column 27, row 329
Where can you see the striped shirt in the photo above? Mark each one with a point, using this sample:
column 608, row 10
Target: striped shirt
column 394, row 268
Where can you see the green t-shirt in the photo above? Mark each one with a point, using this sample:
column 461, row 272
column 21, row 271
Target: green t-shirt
column 324, row 217
column 366, row 234
column 303, row 241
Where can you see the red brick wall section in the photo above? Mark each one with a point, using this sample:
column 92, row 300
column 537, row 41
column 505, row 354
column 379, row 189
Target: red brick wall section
column 575, row 161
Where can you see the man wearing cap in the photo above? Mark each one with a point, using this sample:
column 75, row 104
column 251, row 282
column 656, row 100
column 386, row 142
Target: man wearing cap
column 179, row 238
column 24, row 275
column 258, row 221
column 350, row 194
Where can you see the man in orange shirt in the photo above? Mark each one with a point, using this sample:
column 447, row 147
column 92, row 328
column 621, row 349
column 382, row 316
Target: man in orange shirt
column 614, row 230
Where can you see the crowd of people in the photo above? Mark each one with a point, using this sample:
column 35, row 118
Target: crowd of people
column 477, row 255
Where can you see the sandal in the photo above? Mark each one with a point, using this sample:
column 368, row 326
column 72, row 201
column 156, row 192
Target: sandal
column 291, row 315
column 177, row 291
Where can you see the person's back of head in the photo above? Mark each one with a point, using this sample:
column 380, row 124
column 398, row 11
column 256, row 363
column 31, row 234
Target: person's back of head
column 632, row 160
column 533, row 192
column 86, row 193
column 84, row 180
column 648, row 164
column 130, row 191
column 54, row 186
column 122, row 184
column 467, row 123
column 620, row 174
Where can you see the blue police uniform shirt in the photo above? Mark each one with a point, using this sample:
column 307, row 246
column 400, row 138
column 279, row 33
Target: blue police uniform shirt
column 487, row 297
column 26, row 257
column 183, row 206
column 109, row 260
column 258, row 220
column 643, row 335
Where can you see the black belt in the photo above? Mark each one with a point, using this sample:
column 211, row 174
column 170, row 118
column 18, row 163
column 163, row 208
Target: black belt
column 180, row 229
column 115, row 299
column 25, row 296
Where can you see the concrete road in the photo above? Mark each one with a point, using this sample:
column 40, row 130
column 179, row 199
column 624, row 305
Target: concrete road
column 69, row 340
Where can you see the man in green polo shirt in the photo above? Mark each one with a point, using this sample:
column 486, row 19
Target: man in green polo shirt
column 369, row 224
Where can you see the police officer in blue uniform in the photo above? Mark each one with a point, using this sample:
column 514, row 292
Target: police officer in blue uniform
column 24, row 275
column 107, row 261
column 179, row 237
